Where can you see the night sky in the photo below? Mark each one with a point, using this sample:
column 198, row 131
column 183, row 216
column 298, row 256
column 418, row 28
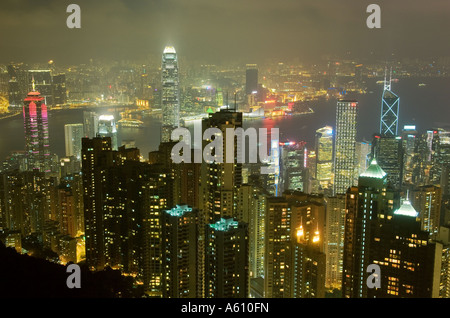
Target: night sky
column 221, row 30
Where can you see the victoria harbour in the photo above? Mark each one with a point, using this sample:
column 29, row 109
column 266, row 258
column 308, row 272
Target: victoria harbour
column 415, row 99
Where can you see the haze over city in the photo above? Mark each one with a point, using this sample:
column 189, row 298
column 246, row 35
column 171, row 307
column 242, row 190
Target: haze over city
column 222, row 31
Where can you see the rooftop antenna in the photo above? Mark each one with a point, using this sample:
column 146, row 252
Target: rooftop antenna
column 33, row 85
column 390, row 78
column 228, row 105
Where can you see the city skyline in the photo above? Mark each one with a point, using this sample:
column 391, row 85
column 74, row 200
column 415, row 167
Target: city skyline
column 308, row 178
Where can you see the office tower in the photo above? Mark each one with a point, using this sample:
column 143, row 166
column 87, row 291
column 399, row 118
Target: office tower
column 97, row 157
column 90, row 123
column 293, row 267
column 363, row 154
column 226, row 259
column 36, row 132
column 367, row 204
column 440, row 154
column 409, row 135
column 44, row 84
column 324, row 157
column 421, row 160
column 73, row 134
column 107, row 128
column 427, row 201
column 16, row 87
column 443, row 275
column 312, row 186
column 334, row 240
column 345, row 139
column 59, row 89
column 27, row 201
column 388, row 152
column 308, row 259
column 308, row 262
column 251, row 78
column 293, row 169
column 170, row 98
column 222, row 179
column 251, row 209
column 390, row 104
column 407, row 259
column 179, row 252
column 68, row 220
column 277, row 248
column 73, row 188
column 14, row 95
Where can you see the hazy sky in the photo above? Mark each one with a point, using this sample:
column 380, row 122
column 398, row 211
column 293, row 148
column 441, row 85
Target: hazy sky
column 212, row 30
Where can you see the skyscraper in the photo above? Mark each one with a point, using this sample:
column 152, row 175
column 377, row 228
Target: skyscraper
column 222, row 179
column 334, row 240
column 90, row 122
column 170, row 99
column 406, row 257
column 366, row 205
column 324, row 157
column 251, row 78
column 427, row 201
column 73, row 133
column 293, row 171
column 179, row 252
column 107, row 128
column 345, row 145
column 409, row 135
column 390, row 104
column 388, row 152
column 226, row 259
column 96, row 158
column 36, row 132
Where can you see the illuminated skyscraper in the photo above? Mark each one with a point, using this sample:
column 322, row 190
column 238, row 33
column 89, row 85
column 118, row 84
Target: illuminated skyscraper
column 221, row 179
column 409, row 135
column 107, row 128
column 170, row 99
column 390, row 104
column 294, row 241
column 293, row 166
column 345, row 145
column 277, row 248
column 427, row 201
column 366, row 206
column 90, row 122
column 73, row 134
column 226, row 259
column 179, row 252
column 324, row 157
column 36, row 132
column 334, row 240
column 409, row 263
column 388, row 152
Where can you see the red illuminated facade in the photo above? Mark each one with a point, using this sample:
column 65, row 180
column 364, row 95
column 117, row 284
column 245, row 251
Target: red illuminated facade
column 36, row 132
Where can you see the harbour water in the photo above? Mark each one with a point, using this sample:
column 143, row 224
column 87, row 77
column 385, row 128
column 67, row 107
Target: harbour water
column 426, row 106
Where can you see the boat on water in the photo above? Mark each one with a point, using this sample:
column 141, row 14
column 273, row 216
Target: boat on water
column 422, row 84
column 131, row 123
